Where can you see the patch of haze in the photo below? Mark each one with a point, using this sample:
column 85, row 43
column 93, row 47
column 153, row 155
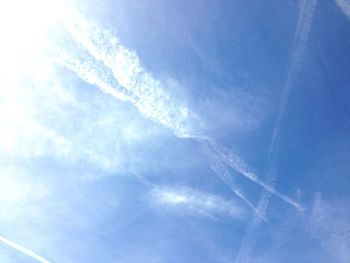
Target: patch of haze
column 328, row 223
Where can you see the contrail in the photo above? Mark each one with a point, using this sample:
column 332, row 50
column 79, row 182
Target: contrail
column 247, row 244
column 154, row 102
column 23, row 250
column 306, row 12
column 90, row 72
column 224, row 175
column 345, row 7
column 236, row 163
column 145, row 92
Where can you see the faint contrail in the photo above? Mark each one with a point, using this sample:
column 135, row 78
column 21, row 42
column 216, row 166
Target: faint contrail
column 238, row 164
column 144, row 91
column 247, row 244
column 345, row 6
column 219, row 168
column 306, row 12
column 23, row 250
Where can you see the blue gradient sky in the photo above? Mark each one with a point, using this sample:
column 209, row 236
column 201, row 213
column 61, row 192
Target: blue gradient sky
column 175, row 131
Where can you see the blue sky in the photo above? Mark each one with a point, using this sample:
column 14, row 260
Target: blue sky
column 175, row 131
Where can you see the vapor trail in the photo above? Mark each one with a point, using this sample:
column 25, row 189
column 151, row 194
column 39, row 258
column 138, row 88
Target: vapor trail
column 154, row 102
column 89, row 71
column 248, row 242
column 224, row 175
column 237, row 163
column 345, row 6
column 145, row 92
column 306, row 13
column 23, row 250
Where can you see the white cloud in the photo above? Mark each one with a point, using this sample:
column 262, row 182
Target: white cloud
column 329, row 224
column 196, row 202
column 145, row 92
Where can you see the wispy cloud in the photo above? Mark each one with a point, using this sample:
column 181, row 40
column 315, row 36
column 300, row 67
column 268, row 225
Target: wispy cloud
column 328, row 223
column 153, row 101
column 345, row 6
column 23, row 250
column 196, row 202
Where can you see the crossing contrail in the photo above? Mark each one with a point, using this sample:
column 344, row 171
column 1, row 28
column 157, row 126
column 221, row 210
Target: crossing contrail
column 232, row 160
column 219, row 168
column 304, row 23
column 23, row 250
column 131, row 82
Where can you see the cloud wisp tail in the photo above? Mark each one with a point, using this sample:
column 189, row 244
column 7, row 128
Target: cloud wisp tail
column 345, row 6
column 23, row 250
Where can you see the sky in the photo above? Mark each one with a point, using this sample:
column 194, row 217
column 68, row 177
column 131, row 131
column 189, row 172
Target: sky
column 175, row 131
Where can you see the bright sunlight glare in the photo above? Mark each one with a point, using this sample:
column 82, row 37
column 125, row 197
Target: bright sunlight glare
column 25, row 26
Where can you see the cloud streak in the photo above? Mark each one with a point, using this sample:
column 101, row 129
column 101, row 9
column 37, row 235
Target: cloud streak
column 152, row 99
column 196, row 202
column 23, row 250
column 328, row 223
column 345, row 7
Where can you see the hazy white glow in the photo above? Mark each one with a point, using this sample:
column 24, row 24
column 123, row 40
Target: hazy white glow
column 24, row 26
column 196, row 202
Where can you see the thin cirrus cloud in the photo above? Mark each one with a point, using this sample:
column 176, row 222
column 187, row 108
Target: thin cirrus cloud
column 332, row 232
column 147, row 94
column 196, row 202
column 345, row 6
